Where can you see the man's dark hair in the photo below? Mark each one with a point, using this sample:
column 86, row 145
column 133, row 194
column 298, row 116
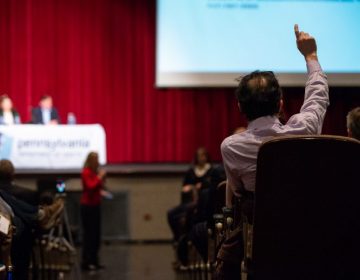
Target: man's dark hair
column 45, row 96
column 7, row 170
column 259, row 94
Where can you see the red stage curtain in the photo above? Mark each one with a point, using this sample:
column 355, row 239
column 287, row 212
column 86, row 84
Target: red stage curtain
column 97, row 59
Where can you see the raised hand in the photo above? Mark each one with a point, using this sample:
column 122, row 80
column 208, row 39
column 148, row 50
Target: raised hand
column 306, row 44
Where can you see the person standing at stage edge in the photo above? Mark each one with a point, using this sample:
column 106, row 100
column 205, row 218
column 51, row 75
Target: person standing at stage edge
column 93, row 189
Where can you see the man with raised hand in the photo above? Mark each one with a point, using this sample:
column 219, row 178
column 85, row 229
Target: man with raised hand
column 260, row 98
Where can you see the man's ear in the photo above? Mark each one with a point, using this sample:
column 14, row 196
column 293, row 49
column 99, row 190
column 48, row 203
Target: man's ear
column 239, row 106
column 281, row 105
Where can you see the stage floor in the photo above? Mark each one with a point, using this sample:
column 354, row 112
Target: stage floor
column 134, row 261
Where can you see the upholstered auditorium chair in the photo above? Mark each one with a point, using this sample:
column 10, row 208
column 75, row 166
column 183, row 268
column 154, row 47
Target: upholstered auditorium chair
column 306, row 217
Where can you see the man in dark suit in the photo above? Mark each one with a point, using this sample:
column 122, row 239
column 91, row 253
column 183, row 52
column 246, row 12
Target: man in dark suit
column 45, row 113
column 7, row 172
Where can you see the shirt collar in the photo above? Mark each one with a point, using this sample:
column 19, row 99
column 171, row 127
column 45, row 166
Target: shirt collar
column 263, row 122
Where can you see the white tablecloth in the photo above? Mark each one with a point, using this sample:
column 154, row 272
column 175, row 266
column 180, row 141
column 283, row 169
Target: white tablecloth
column 51, row 147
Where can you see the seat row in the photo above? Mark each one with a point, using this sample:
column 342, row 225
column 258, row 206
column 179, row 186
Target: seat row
column 303, row 222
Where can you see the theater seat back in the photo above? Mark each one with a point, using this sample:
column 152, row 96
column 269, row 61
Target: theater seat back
column 307, row 209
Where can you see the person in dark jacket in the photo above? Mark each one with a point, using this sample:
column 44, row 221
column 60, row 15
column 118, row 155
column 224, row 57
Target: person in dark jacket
column 26, row 218
column 196, row 178
column 45, row 113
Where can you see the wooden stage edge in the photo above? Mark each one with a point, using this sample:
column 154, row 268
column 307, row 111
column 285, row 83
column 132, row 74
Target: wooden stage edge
column 155, row 169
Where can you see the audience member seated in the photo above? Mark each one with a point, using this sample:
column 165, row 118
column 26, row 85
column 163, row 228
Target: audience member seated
column 260, row 99
column 45, row 113
column 26, row 218
column 8, row 115
column 202, row 218
column 196, row 178
column 353, row 123
column 6, row 233
column 7, row 185
column 204, row 211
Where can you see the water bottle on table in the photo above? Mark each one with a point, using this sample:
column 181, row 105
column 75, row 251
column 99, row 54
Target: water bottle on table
column 71, row 119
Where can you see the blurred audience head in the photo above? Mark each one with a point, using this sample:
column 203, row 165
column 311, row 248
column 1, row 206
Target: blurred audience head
column 353, row 123
column 7, row 170
column 259, row 94
column 46, row 102
column 5, row 103
column 201, row 157
column 92, row 161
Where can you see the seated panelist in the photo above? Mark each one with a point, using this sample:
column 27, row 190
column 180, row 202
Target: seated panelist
column 8, row 115
column 45, row 113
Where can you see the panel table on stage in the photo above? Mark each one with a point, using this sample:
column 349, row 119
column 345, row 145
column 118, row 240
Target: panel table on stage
column 51, row 147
